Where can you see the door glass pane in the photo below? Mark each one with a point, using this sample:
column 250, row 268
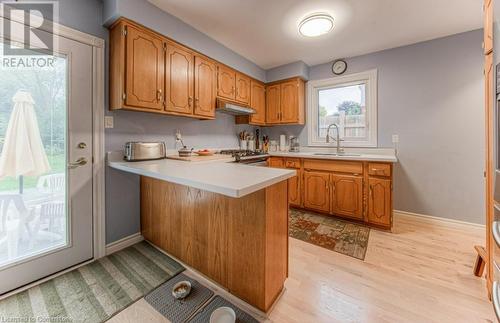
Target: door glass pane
column 33, row 100
column 346, row 107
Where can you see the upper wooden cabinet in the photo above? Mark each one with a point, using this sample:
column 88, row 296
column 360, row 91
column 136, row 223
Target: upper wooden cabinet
column 285, row 102
column 347, row 195
column 258, row 103
column 226, row 82
column 137, row 75
column 179, row 80
column 273, row 98
column 242, row 89
column 488, row 26
column 205, row 86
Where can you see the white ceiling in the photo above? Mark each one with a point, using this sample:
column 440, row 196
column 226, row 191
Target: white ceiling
column 265, row 31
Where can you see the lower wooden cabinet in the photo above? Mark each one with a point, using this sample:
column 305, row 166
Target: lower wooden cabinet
column 347, row 195
column 379, row 201
column 316, row 191
column 357, row 190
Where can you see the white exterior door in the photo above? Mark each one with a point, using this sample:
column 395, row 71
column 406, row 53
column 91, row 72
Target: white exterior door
column 45, row 205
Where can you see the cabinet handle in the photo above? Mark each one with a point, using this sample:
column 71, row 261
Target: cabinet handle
column 190, row 101
column 159, row 95
column 236, row 91
column 333, row 188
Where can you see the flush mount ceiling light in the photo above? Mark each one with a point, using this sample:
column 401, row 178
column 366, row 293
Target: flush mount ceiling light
column 316, row 25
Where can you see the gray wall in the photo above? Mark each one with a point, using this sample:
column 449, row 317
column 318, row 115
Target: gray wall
column 150, row 16
column 431, row 95
column 289, row 70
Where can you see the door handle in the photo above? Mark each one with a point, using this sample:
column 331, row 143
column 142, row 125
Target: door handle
column 79, row 162
column 495, row 230
column 495, row 300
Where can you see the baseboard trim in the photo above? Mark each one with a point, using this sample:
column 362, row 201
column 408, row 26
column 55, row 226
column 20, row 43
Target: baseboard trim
column 123, row 243
column 435, row 219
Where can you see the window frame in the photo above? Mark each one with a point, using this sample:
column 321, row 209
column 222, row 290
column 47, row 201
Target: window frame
column 370, row 78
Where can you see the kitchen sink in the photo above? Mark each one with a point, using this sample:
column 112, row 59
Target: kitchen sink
column 335, row 154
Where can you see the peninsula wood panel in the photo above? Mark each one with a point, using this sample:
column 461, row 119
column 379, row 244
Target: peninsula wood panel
column 241, row 243
column 179, row 80
column 205, row 87
column 144, row 69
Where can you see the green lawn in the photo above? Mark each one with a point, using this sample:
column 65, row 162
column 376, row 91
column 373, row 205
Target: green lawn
column 57, row 164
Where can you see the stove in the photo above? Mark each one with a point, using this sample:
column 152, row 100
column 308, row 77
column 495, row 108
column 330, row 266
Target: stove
column 255, row 158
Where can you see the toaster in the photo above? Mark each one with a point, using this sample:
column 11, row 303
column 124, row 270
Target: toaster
column 138, row 151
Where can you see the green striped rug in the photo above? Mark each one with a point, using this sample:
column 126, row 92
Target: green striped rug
column 94, row 292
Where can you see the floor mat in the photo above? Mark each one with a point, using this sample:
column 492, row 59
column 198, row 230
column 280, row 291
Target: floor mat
column 345, row 237
column 174, row 310
column 94, row 292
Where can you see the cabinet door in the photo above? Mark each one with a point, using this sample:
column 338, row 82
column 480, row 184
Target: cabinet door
column 276, row 162
column 347, row 195
column 289, row 102
column 226, row 82
column 273, row 104
column 242, row 89
column 179, row 84
column 488, row 26
column 317, row 191
column 379, row 201
column 294, row 189
column 144, row 70
column 258, row 102
column 205, row 87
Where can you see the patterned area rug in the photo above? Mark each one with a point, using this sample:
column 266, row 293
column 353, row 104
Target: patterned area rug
column 348, row 238
column 94, row 292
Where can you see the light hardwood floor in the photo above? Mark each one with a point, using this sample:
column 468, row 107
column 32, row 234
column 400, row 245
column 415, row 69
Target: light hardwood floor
column 422, row 272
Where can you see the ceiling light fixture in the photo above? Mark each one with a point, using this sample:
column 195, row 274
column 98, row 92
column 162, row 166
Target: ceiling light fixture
column 316, row 25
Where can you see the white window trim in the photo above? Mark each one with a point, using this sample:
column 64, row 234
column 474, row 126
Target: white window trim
column 371, row 96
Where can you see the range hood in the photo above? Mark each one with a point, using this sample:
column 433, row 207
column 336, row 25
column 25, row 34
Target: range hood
column 233, row 108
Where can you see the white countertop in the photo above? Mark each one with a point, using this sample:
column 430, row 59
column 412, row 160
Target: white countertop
column 386, row 155
column 222, row 177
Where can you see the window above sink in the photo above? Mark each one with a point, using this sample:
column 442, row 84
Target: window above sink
column 349, row 101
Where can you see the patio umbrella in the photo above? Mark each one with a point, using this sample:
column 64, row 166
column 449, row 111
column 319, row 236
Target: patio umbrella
column 23, row 153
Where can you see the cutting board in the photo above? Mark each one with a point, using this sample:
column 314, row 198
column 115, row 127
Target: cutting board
column 196, row 158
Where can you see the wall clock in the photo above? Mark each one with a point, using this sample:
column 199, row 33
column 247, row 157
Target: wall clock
column 339, row 67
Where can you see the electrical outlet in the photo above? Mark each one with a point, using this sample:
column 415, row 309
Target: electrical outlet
column 395, row 139
column 108, row 122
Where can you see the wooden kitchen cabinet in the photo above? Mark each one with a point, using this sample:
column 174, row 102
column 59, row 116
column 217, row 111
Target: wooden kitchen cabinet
column 317, row 191
column 179, row 80
column 226, row 82
column 294, row 190
column 273, row 97
column 258, row 103
column 347, row 195
column 285, row 102
column 379, row 201
column 205, row 87
column 139, row 83
column 242, row 94
column 276, row 162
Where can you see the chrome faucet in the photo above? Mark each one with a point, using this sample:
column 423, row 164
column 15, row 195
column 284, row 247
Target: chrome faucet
column 340, row 150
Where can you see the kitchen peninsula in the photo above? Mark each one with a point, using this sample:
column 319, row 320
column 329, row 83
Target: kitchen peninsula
column 226, row 220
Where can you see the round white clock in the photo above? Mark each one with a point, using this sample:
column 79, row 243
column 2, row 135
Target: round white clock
column 339, row 67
